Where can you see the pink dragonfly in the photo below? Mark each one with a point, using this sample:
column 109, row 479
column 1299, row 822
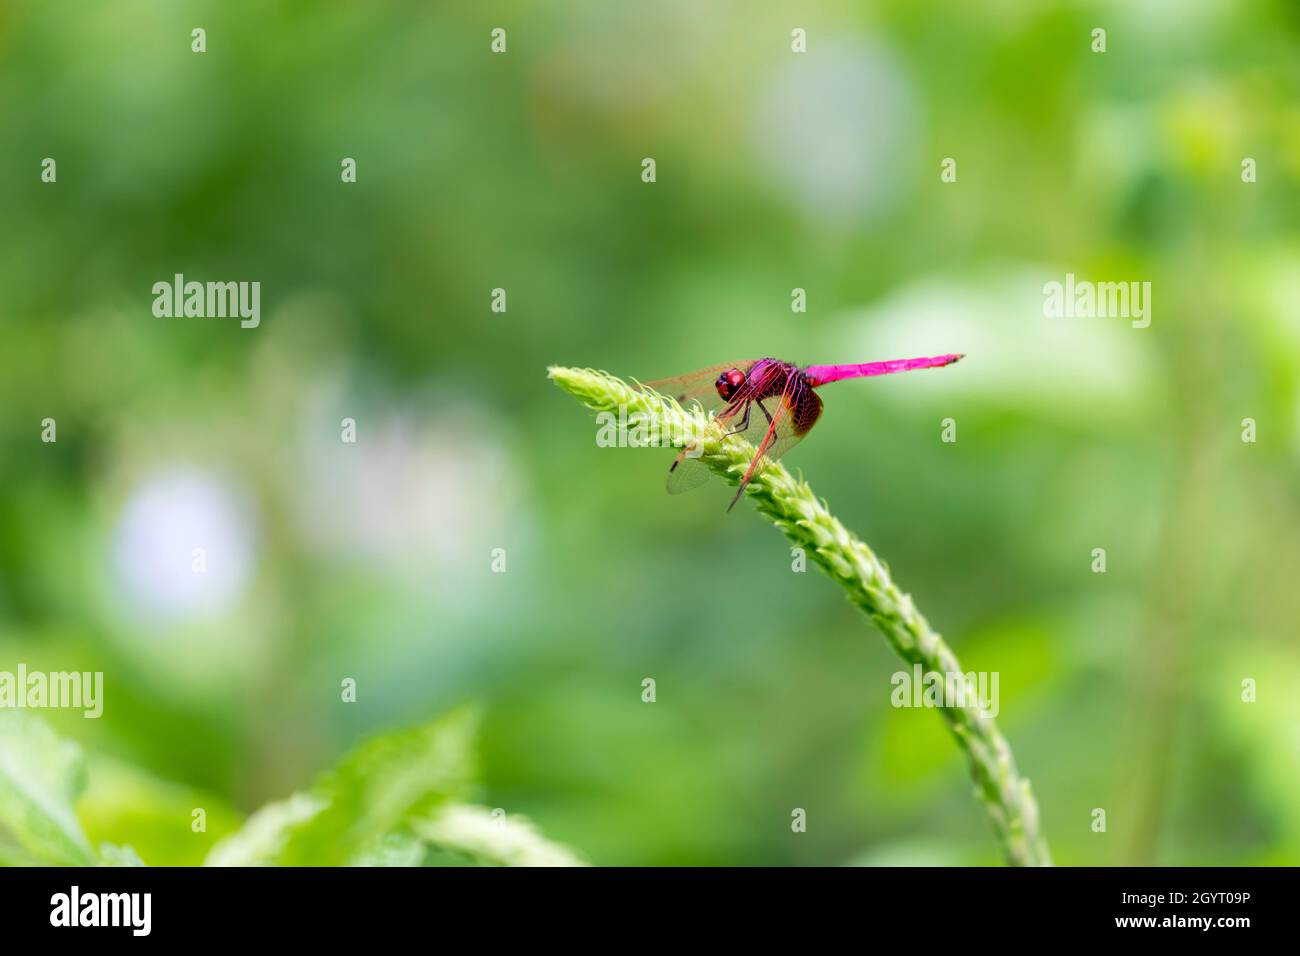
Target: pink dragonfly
column 781, row 392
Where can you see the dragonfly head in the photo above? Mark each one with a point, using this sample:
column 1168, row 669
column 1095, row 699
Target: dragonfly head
column 729, row 383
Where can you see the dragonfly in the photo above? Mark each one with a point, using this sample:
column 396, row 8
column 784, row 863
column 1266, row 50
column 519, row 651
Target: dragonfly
column 770, row 403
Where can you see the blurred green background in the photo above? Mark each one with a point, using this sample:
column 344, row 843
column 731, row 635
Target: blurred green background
column 776, row 170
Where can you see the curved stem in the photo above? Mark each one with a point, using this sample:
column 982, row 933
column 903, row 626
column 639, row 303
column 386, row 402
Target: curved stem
column 791, row 505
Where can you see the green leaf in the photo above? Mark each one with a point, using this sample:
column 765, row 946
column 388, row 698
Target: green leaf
column 113, row 855
column 382, row 784
column 373, row 793
column 262, row 839
column 40, row 778
column 402, row 848
column 490, row 837
column 124, row 804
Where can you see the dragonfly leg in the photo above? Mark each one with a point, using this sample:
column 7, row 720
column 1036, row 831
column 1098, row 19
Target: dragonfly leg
column 767, row 441
column 744, row 421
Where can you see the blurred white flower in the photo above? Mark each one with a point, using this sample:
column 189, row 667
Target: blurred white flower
column 182, row 547
column 424, row 493
column 837, row 133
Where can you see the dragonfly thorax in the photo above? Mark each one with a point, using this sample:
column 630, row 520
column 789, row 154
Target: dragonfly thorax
column 729, row 383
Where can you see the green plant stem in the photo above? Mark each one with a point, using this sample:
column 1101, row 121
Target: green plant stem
column 791, row 505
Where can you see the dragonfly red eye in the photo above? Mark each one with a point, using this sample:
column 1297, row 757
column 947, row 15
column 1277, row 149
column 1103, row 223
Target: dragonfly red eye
column 728, row 382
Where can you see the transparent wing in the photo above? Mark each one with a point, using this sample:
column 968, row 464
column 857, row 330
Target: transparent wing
column 739, row 416
column 803, row 408
column 686, row 473
column 699, row 385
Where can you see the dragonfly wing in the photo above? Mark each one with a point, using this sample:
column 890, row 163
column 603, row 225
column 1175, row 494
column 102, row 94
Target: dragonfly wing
column 803, row 408
column 699, row 386
column 685, row 474
column 745, row 416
